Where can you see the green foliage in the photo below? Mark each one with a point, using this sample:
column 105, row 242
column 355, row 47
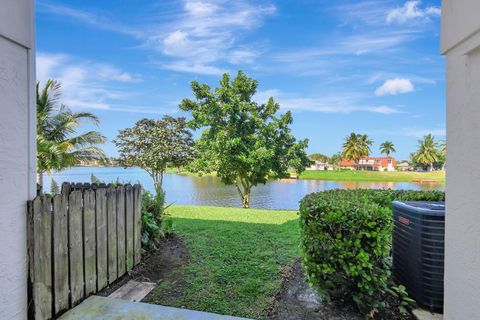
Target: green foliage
column 155, row 144
column 365, row 175
column 58, row 145
column 319, row 157
column 94, row 179
column 346, row 242
column 54, row 187
column 356, row 146
column 387, row 147
column 336, row 159
column 244, row 142
column 428, row 152
column 155, row 224
column 403, row 300
column 236, row 261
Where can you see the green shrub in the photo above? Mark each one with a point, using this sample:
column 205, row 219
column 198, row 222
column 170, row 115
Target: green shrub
column 346, row 242
column 155, row 223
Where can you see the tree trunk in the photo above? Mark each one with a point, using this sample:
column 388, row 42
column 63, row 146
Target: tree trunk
column 40, row 179
column 431, row 166
column 157, row 178
column 246, row 200
column 245, row 193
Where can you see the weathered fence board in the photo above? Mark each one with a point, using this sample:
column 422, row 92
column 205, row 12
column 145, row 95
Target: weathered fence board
column 42, row 254
column 121, row 254
column 60, row 251
column 89, row 241
column 76, row 247
column 112, row 233
column 79, row 241
column 137, row 227
column 102, row 242
column 129, row 226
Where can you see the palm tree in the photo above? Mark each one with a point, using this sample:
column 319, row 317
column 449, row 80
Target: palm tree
column 387, row 147
column 356, row 146
column 365, row 144
column 428, row 152
column 57, row 145
column 443, row 154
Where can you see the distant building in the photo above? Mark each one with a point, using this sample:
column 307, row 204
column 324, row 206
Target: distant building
column 371, row 164
column 403, row 166
column 320, row 165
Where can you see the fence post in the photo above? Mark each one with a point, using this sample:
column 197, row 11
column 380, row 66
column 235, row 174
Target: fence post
column 102, row 255
column 112, row 233
column 89, row 242
column 60, row 251
column 42, row 258
column 137, row 225
column 129, row 226
column 121, row 231
column 76, row 247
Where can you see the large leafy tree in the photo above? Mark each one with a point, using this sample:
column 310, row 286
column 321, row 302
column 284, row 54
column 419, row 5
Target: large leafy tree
column 155, row 144
column 387, row 148
column 335, row 159
column 58, row 144
column 428, row 151
column 356, row 146
column 244, row 142
column 319, row 157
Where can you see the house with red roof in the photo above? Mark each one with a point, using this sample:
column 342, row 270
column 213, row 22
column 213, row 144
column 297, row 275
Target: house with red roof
column 370, row 163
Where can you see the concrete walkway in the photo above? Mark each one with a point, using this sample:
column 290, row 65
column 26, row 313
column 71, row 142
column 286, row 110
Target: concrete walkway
column 102, row 308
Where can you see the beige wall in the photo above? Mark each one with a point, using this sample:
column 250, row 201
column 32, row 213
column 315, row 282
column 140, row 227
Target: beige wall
column 17, row 150
column 461, row 45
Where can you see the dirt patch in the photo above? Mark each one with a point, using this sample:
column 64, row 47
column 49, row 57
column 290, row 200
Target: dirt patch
column 157, row 267
column 296, row 300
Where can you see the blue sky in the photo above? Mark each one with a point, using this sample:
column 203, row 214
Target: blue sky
column 365, row 66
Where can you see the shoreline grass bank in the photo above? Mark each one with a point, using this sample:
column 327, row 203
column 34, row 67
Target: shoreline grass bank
column 352, row 175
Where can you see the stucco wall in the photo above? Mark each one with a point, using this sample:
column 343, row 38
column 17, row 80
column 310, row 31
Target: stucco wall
column 17, row 153
column 461, row 44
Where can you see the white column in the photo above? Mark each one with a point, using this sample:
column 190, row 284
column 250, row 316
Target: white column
column 17, row 150
column 460, row 43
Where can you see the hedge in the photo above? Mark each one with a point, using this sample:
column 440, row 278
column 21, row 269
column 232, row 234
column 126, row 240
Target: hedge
column 346, row 239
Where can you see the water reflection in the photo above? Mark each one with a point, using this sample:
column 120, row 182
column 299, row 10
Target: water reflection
column 208, row 190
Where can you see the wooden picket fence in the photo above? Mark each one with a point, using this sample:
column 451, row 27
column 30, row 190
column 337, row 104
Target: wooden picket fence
column 80, row 241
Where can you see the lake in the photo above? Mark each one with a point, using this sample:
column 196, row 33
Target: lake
column 209, row 191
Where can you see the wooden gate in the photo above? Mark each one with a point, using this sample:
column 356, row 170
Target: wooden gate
column 79, row 241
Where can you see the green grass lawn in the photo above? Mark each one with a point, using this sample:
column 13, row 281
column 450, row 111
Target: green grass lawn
column 352, row 175
column 236, row 258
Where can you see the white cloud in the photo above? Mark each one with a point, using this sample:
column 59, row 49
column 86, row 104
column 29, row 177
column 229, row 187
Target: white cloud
column 98, row 21
column 411, row 11
column 198, row 8
column 242, row 56
column 206, row 35
column 110, row 73
column 200, row 38
column 347, row 103
column 394, row 87
column 420, row 132
column 195, row 68
column 87, row 85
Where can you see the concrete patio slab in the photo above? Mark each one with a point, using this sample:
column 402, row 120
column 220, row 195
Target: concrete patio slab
column 133, row 291
column 421, row 314
column 102, row 308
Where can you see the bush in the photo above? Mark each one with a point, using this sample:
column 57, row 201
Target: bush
column 346, row 242
column 155, row 223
